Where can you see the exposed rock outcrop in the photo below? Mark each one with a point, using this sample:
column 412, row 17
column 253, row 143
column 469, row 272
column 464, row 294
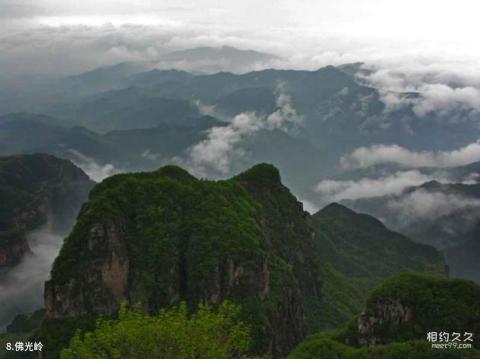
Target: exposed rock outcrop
column 408, row 306
column 389, row 312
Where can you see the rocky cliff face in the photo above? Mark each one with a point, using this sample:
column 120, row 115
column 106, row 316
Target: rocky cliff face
column 106, row 279
column 389, row 312
column 36, row 190
column 164, row 237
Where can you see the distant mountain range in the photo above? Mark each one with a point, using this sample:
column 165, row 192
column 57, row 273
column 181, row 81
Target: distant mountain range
column 147, row 149
column 32, row 93
column 216, row 59
column 339, row 112
column 446, row 216
column 336, row 113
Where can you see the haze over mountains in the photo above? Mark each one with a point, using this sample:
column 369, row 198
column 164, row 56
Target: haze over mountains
column 41, row 196
column 337, row 110
column 334, row 135
column 344, row 146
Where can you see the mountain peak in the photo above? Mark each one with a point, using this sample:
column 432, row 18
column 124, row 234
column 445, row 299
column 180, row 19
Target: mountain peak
column 336, row 212
column 175, row 172
column 337, row 207
column 261, row 175
column 199, row 241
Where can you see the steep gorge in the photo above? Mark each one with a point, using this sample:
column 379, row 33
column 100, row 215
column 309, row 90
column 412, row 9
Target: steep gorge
column 36, row 190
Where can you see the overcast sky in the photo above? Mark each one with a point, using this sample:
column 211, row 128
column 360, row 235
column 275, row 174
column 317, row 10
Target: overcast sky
column 59, row 36
column 433, row 19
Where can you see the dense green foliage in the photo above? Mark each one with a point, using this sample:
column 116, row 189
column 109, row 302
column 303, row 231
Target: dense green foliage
column 357, row 252
column 172, row 334
column 171, row 210
column 182, row 236
column 437, row 304
column 56, row 334
column 202, row 242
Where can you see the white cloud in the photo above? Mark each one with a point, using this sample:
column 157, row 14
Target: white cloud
column 213, row 156
column 440, row 97
column 207, row 110
column 395, row 100
column 215, row 152
column 285, row 115
column 309, row 206
column 94, row 170
column 21, row 288
column 149, row 155
column 337, row 190
column 441, row 87
column 422, row 205
column 368, row 156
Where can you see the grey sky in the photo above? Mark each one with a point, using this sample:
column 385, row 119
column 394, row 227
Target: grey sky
column 433, row 19
column 424, row 39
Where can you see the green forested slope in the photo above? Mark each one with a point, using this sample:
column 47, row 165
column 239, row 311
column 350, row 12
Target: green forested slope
column 357, row 252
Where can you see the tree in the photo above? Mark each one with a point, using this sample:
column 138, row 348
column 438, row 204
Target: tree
column 208, row 334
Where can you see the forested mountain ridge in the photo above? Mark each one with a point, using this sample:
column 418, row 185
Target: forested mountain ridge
column 357, row 253
column 161, row 237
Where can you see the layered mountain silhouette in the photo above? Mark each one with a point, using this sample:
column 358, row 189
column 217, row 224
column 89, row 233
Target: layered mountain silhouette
column 451, row 215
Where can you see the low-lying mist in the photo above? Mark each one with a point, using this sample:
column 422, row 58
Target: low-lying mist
column 21, row 288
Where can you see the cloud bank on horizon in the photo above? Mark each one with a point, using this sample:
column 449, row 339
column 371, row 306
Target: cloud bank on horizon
column 331, row 190
column 364, row 157
column 338, row 190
